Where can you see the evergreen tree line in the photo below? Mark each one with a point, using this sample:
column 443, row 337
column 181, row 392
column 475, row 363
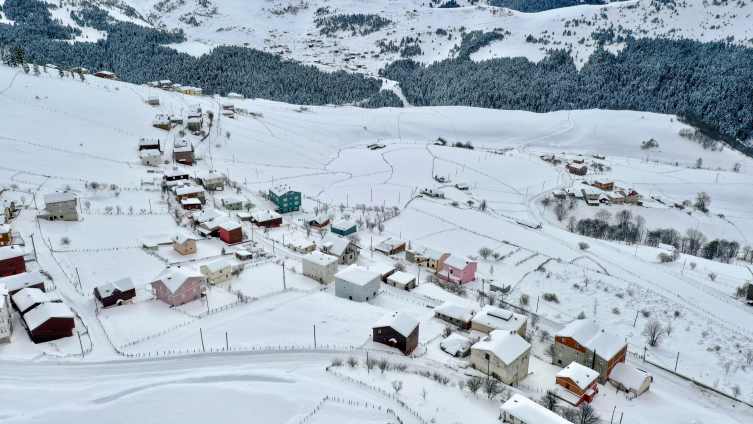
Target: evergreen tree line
column 356, row 23
column 136, row 55
column 709, row 84
column 533, row 6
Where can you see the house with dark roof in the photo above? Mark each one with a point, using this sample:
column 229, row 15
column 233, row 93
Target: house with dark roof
column 397, row 329
column 116, row 293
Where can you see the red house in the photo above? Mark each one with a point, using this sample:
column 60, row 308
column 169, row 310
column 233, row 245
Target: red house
column 49, row 321
column 575, row 170
column 11, row 261
column 190, row 204
column 397, row 329
column 576, row 383
column 231, row 232
column 267, row 219
column 17, row 282
column 176, row 286
column 116, row 293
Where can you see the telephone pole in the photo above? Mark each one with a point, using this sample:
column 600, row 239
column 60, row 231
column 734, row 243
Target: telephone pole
column 202, row 340
column 80, row 344
column 315, row 336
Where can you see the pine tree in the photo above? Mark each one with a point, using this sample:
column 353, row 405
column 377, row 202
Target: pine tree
column 81, row 73
column 61, row 73
column 26, row 67
column 36, row 70
column 44, row 67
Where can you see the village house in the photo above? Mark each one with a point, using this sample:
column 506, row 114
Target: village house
column 4, row 235
column 457, row 270
column 207, row 215
column 116, row 293
column 228, row 113
column 433, row 192
column 243, row 255
column 267, row 219
column 49, row 321
column 165, row 84
column 153, row 100
column 491, row 318
column 577, row 170
column 7, row 209
column 320, row 267
column 521, row 410
column 235, row 96
column 606, row 185
column 211, row 180
column 217, row 271
column 455, row 314
column 184, row 244
column 591, row 195
column 231, row 232
column 193, row 124
column 149, row 144
column 302, row 246
column 390, row 246
column 11, row 261
column 232, row 203
column 398, row 330
column 357, row 283
column 434, row 258
column 346, row 251
column 384, row 270
column 6, row 314
column 630, row 379
column 228, row 106
column 320, row 220
column 344, row 228
column 175, row 175
column 190, row 193
column 60, row 205
column 461, row 186
column 584, row 342
column 31, row 279
column 626, row 196
column 176, row 286
column 286, row 199
column 456, row 345
column 190, row 203
column 26, row 299
column 177, row 120
column 77, row 70
column 106, row 75
column 576, row 383
column 211, row 228
column 195, row 107
column 162, row 122
column 183, row 155
column 503, row 355
column 402, row 280
column 150, row 157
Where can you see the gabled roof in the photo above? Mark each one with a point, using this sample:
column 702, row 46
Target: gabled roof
column 122, row 285
column 457, row 262
column 630, row 377
column 59, row 196
column 209, row 175
column 230, row 199
column 589, row 334
column 455, row 344
column 175, row 173
column 230, row 225
column 281, row 189
column 191, row 201
column 10, row 252
column 580, row 330
column 24, row 279
column 148, row 142
column 215, row 223
column 207, row 214
column 343, row 225
column 358, row 275
column 321, row 218
column 320, row 258
column 26, row 298
column 338, row 244
column 264, row 216
column 427, row 252
column 530, row 412
column 401, row 277
column 189, row 190
column 149, row 153
column 389, row 244
column 500, row 319
column 217, row 265
column 181, row 237
column 453, row 310
column 505, row 345
column 4, row 229
column 579, row 374
column 381, row 268
column 302, row 244
column 399, row 321
column 44, row 312
column 606, row 345
column 173, row 278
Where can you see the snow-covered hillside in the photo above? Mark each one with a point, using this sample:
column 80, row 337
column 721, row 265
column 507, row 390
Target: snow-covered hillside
column 253, row 336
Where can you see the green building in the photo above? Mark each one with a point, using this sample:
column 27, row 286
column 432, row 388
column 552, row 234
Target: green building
column 232, row 203
column 286, row 199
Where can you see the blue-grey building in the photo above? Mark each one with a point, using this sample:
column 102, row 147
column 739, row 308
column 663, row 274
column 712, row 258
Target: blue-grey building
column 357, row 283
column 286, row 199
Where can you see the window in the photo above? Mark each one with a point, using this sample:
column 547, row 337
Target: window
column 563, row 340
column 183, row 296
column 577, row 354
column 577, row 345
column 590, row 356
column 194, row 290
column 486, row 356
column 601, row 362
column 194, row 283
column 169, row 298
column 379, row 331
column 71, row 202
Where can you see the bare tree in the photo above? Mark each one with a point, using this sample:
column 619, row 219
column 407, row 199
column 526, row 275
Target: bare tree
column 352, row 361
column 653, row 333
column 383, row 365
column 354, row 238
column 560, row 211
column 712, row 276
column 702, row 201
column 603, row 216
column 726, row 367
column 380, row 227
column 549, row 400
column 474, row 384
column 371, row 362
column 587, row 414
column 492, row 387
column 397, row 385
column 485, row 252
column 748, row 355
column 694, row 239
column 571, row 224
column 546, row 201
column 570, row 414
column 735, row 391
column 668, row 329
column 424, row 392
column 524, row 300
column 482, row 205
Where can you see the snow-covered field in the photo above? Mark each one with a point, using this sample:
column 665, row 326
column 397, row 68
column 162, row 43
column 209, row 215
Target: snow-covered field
column 91, row 133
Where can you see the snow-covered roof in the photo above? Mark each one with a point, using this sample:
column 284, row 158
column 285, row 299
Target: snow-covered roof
column 28, row 297
column 59, row 196
column 173, row 278
column 243, row 252
column 10, row 252
column 591, row 190
column 217, row 265
column 580, row 330
column 389, row 244
column 191, row 201
column 455, row 344
column 302, row 244
column 427, row 252
column 381, row 268
column 24, row 279
column 149, row 142
column 264, row 216
column 500, row 319
column 530, row 412
column 668, row 247
column 108, row 288
column 630, row 377
column 209, row 175
column 281, row 189
column 44, row 312
column 207, row 214
column 581, row 375
column 165, row 82
column 453, row 310
column 320, row 258
column 154, row 240
column 194, row 120
column 343, row 225
column 215, row 223
column 181, row 237
column 590, row 335
column 230, row 225
column 150, row 153
column 4, row 229
column 399, row 321
column 321, row 218
column 175, row 173
column 337, row 244
column 106, row 72
column 401, row 277
column 153, row 98
column 461, row 185
column 457, row 262
column 188, row 190
column 505, row 345
column 358, row 275
column 606, row 345
column 231, row 199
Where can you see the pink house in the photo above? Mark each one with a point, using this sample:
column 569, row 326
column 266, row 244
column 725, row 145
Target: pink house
column 176, row 286
column 458, row 270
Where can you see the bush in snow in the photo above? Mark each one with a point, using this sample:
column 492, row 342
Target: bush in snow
column 371, row 363
column 383, row 365
column 65, row 240
column 337, row 362
column 474, row 384
column 581, row 315
column 524, row 300
column 583, row 245
column 400, row 367
column 447, row 330
column 712, row 276
column 485, row 252
column 550, row 297
column 649, row 144
column 397, row 385
column 616, row 310
column 352, row 361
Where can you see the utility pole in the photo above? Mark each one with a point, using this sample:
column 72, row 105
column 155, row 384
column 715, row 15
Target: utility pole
column 367, row 363
column 636, row 318
column 677, row 360
column 315, row 336
column 79, row 278
column 612, row 419
column 80, row 344
column 537, row 303
column 644, row 354
column 202, row 340
column 284, row 287
column 227, row 344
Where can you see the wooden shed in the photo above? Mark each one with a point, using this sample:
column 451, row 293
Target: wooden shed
column 11, row 261
column 397, row 329
column 116, row 293
column 49, row 321
column 231, row 232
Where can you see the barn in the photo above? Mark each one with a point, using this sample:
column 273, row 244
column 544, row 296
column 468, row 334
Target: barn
column 11, row 261
column 21, row 281
column 116, row 293
column 28, row 299
column 49, row 321
column 397, row 329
